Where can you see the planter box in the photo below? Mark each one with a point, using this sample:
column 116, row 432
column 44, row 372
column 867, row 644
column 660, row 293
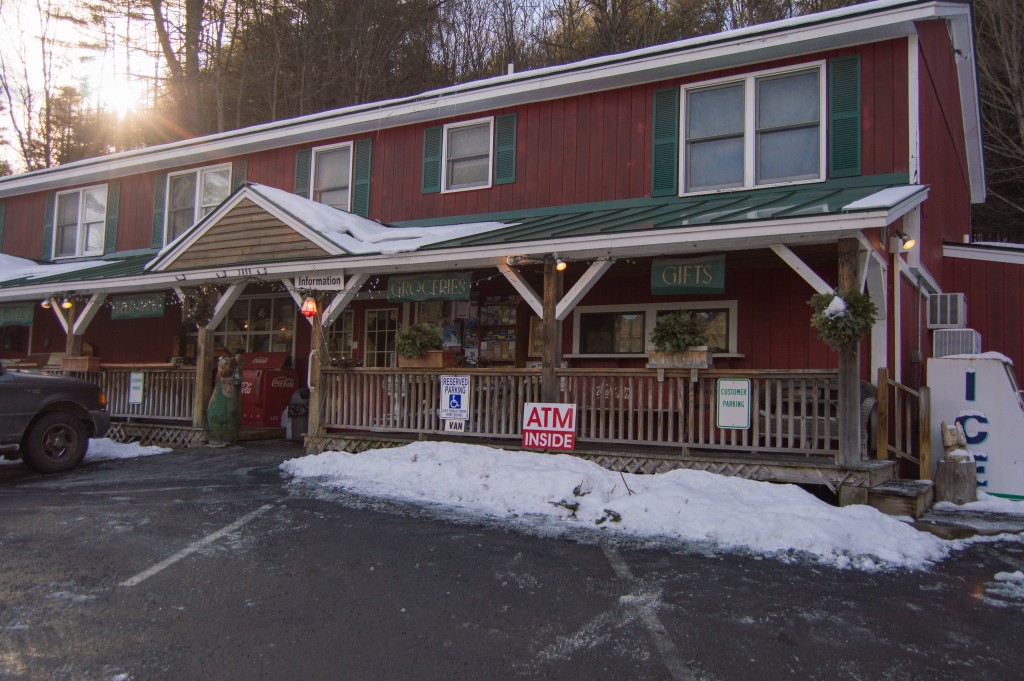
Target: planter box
column 434, row 359
column 80, row 363
column 697, row 357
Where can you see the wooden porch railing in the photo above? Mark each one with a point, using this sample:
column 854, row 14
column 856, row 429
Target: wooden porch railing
column 167, row 392
column 793, row 413
column 904, row 424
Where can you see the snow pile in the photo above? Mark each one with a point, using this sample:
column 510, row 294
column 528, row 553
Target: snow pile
column 105, row 449
column 683, row 505
column 986, row 503
column 837, row 308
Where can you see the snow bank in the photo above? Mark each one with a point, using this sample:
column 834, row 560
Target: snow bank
column 105, row 449
column 762, row 517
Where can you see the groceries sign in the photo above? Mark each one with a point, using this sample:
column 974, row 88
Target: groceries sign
column 549, row 426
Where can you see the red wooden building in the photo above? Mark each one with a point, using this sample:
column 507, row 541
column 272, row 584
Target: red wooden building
column 785, row 159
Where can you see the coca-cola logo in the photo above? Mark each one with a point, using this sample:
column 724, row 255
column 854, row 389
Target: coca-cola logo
column 246, row 388
column 260, row 360
column 283, row 382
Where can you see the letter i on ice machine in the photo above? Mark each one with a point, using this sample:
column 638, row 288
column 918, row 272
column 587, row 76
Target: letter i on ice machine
column 267, row 387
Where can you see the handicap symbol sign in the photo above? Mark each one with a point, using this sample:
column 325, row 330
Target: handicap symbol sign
column 455, row 401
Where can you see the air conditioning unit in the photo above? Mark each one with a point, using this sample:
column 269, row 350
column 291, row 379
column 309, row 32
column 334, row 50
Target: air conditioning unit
column 956, row 342
column 947, row 311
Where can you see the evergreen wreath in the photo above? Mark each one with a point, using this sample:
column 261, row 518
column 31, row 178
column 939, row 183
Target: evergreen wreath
column 841, row 326
column 198, row 303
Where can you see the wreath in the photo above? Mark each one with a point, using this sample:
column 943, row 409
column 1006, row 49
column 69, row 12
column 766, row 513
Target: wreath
column 841, row 318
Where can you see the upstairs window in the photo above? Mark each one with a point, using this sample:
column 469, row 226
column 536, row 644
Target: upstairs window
column 761, row 130
column 80, row 220
column 332, row 173
column 467, row 155
column 192, row 195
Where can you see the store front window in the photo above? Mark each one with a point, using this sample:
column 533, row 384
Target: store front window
column 381, row 330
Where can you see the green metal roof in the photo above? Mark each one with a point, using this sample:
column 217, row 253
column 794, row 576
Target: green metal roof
column 119, row 266
column 643, row 215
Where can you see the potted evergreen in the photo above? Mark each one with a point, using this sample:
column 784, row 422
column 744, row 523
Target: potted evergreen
column 679, row 341
column 419, row 347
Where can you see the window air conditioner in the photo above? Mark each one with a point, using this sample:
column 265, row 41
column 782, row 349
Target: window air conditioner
column 956, row 342
column 947, row 311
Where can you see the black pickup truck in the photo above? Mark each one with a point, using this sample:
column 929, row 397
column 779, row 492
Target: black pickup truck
column 47, row 420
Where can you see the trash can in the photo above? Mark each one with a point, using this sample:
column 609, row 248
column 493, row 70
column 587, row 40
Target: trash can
column 297, row 417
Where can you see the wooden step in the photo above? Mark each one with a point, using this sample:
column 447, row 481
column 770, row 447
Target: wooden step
column 903, row 497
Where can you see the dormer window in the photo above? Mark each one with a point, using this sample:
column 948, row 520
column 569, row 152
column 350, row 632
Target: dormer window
column 80, row 221
column 193, row 194
column 765, row 129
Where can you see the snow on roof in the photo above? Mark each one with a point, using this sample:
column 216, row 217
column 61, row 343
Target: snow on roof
column 885, row 199
column 12, row 267
column 360, row 236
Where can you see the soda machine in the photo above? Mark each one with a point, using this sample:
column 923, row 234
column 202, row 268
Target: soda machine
column 267, row 387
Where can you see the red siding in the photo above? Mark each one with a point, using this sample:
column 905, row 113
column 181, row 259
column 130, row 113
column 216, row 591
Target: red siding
column 995, row 304
column 23, row 225
column 946, row 215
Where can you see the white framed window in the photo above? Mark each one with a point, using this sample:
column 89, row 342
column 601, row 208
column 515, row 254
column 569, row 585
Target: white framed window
column 341, row 335
column 625, row 330
column 193, row 194
column 467, row 155
column 763, row 129
column 381, row 338
column 331, row 176
column 80, row 222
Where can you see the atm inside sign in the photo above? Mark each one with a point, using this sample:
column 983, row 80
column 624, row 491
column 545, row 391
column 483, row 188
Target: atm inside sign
column 549, row 426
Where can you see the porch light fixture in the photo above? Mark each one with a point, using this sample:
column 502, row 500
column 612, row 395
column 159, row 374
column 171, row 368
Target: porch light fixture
column 560, row 264
column 308, row 307
column 46, row 304
column 900, row 242
column 66, row 304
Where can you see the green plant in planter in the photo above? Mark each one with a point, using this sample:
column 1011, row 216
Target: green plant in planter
column 415, row 340
column 678, row 331
column 841, row 324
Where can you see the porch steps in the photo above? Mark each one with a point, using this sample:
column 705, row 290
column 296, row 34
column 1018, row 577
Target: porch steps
column 903, row 497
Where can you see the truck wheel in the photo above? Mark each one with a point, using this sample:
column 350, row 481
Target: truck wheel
column 56, row 443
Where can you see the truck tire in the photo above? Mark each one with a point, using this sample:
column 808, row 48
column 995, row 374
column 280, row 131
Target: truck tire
column 57, row 442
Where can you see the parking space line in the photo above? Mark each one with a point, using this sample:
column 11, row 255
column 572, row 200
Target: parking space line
column 195, row 546
column 662, row 641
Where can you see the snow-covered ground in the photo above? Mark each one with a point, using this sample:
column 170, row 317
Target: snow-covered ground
column 105, row 449
column 765, row 518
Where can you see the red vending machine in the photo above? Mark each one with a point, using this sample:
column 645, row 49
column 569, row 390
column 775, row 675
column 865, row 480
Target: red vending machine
column 267, row 387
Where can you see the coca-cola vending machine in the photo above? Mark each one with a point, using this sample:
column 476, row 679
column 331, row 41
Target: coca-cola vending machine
column 267, row 387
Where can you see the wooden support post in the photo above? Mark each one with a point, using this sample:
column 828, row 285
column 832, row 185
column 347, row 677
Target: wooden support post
column 924, row 435
column 882, row 436
column 849, row 366
column 552, row 355
column 204, row 376
column 316, row 344
column 73, row 347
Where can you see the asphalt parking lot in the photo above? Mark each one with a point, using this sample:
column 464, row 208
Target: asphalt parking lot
column 208, row 564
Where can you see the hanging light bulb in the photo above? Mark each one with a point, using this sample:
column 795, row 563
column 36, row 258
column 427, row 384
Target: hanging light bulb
column 46, row 304
column 308, row 307
column 66, row 304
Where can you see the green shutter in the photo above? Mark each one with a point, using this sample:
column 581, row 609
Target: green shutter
column 844, row 116
column 361, row 177
column 110, row 232
column 505, row 149
column 2, row 210
column 303, row 159
column 48, row 218
column 159, row 201
column 238, row 171
column 432, row 159
column 665, row 143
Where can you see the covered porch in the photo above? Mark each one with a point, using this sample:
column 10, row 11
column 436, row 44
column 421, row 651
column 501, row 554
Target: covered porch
column 806, row 424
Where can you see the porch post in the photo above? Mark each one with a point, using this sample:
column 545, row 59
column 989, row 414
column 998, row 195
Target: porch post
column 73, row 347
column 204, row 374
column 316, row 342
column 849, row 367
column 552, row 356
